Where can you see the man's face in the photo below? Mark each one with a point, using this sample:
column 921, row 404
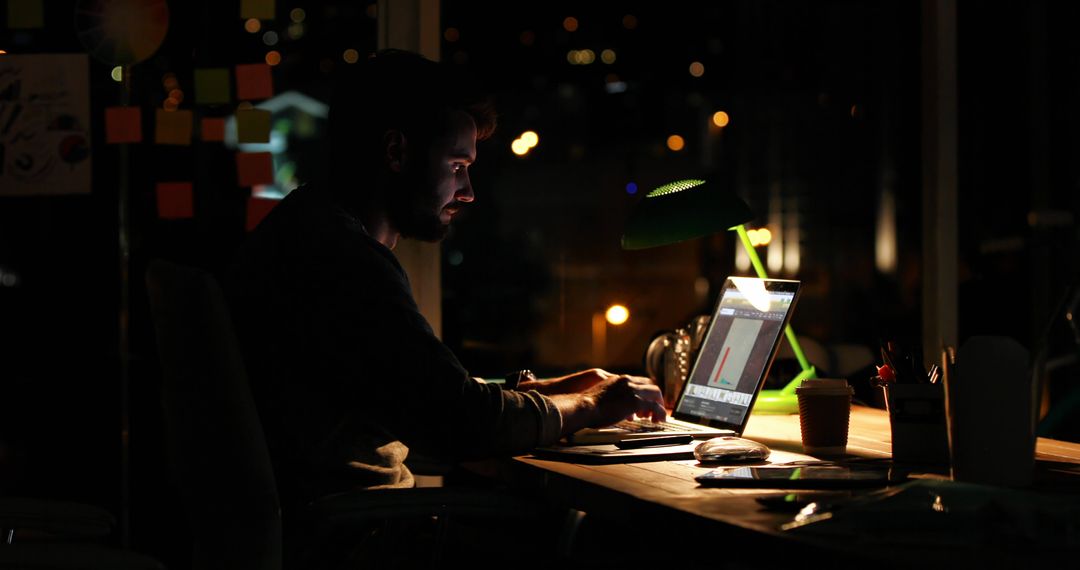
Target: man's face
column 435, row 182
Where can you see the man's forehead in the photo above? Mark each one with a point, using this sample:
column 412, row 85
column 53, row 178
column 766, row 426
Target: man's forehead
column 460, row 141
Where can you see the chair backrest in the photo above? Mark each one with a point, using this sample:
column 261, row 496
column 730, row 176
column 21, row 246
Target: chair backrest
column 216, row 442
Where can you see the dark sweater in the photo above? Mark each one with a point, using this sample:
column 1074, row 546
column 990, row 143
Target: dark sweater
column 345, row 371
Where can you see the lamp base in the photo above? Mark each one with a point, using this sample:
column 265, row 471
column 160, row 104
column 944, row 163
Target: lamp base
column 774, row 402
column 784, row 400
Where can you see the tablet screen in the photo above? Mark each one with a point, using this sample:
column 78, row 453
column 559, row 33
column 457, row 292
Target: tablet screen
column 737, row 351
column 803, row 477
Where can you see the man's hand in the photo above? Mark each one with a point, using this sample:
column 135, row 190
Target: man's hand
column 622, row 397
column 607, row 399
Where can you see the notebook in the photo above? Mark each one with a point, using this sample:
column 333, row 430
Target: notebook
column 729, row 369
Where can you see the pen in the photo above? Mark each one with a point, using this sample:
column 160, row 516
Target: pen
column 888, row 356
column 948, row 361
column 653, row 441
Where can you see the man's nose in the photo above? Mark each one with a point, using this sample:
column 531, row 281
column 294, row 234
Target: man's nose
column 465, row 193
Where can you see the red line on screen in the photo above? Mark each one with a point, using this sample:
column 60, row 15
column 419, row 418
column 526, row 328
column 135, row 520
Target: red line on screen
column 722, row 361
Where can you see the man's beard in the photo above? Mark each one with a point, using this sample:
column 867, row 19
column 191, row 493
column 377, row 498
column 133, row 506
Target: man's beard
column 414, row 212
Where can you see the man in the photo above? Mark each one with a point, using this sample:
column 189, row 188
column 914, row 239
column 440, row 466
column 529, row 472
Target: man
column 346, row 372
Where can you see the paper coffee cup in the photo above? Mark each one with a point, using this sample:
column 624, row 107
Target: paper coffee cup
column 824, row 413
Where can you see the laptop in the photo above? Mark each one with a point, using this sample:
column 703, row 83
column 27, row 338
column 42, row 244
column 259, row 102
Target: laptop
column 729, row 369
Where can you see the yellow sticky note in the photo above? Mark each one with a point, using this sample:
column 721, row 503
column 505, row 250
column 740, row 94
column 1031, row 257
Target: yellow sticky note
column 25, row 14
column 260, row 9
column 254, row 81
column 173, row 127
column 212, row 85
column 253, row 126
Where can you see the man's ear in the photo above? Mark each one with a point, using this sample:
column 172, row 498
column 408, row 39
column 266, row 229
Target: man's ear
column 395, row 145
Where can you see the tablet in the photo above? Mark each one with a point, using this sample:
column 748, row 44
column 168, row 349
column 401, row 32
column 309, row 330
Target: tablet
column 803, row 477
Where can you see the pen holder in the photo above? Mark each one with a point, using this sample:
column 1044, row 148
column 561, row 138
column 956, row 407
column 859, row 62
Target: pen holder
column 917, row 418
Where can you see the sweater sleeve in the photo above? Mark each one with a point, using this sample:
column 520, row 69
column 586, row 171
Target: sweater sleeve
column 389, row 371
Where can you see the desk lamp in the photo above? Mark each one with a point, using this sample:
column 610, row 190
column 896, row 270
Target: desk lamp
column 689, row 209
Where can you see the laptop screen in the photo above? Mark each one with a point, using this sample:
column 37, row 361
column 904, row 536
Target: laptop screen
column 734, row 357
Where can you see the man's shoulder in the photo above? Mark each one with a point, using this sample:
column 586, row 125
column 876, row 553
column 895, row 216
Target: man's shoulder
column 310, row 211
column 309, row 219
column 309, row 235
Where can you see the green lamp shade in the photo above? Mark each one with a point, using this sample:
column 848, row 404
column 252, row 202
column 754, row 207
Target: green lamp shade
column 683, row 210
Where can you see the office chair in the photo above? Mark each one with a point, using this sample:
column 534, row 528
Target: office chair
column 215, row 442
column 60, row 535
column 219, row 453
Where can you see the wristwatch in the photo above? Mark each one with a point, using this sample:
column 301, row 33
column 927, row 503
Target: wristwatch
column 514, row 379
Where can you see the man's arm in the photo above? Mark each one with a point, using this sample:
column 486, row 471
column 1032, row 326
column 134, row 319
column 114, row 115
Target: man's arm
column 394, row 370
column 574, row 383
column 609, row 400
column 389, row 371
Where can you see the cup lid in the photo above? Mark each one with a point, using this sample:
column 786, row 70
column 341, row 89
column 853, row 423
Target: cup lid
column 825, row 386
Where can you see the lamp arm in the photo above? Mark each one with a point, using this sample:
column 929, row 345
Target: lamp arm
column 807, row 370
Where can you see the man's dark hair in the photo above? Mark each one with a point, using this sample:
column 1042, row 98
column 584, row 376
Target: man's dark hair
column 396, row 89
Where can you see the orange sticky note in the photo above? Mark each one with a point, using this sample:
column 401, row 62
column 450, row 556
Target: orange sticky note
column 257, row 209
column 173, row 127
column 253, row 168
column 123, row 125
column 25, row 14
column 213, row 129
column 212, row 85
column 253, row 126
column 260, row 9
column 253, row 81
column 175, row 201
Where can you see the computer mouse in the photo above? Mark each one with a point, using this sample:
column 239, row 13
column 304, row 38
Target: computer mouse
column 729, row 448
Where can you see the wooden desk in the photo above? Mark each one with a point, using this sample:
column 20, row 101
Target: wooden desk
column 666, row 495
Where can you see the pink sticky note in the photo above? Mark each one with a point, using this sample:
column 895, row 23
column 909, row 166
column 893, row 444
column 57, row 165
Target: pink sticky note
column 253, row 81
column 253, row 126
column 260, row 9
column 213, row 129
column 123, row 125
column 173, row 127
column 174, row 200
column 257, row 209
column 253, row 168
column 25, row 14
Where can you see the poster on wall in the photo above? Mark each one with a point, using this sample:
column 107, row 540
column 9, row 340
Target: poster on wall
column 44, row 124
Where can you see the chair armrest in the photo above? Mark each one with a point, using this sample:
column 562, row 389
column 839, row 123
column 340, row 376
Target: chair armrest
column 73, row 557
column 54, row 518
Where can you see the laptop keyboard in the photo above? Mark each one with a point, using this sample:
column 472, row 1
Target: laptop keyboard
column 647, row 426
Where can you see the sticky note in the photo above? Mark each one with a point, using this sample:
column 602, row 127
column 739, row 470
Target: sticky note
column 212, row 86
column 173, row 127
column 260, row 9
column 213, row 129
column 253, row 168
column 253, row 126
column 25, row 14
column 123, row 125
column 175, row 200
column 253, row 81
column 257, row 209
